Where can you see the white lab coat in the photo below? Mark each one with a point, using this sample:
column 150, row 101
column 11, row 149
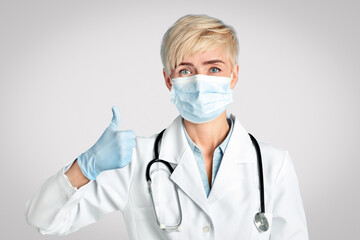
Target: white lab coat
column 228, row 213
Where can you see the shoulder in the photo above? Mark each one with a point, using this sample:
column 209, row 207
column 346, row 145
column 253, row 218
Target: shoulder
column 144, row 147
column 273, row 159
column 272, row 153
column 144, row 144
column 142, row 141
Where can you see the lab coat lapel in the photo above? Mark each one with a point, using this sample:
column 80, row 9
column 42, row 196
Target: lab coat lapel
column 187, row 176
column 175, row 149
column 233, row 168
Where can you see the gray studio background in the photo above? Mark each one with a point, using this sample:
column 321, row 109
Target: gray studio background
column 63, row 64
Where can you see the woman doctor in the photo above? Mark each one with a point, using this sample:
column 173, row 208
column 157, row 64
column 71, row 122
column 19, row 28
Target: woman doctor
column 214, row 188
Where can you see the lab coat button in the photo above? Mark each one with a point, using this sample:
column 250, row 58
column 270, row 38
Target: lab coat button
column 206, row 229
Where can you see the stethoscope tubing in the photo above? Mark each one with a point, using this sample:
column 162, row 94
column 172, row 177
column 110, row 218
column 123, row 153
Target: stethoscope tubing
column 156, row 159
column 261, row 173
column 260, row 218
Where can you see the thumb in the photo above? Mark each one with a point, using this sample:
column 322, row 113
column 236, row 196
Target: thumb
column 115, row 121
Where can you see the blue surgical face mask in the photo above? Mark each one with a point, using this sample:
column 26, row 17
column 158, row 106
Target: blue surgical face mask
column 201, row 98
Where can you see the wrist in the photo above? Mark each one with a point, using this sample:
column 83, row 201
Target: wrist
column 86, row 162
column 75, row 176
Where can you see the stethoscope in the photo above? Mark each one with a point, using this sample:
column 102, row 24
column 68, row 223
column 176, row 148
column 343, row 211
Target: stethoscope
column 260, row 219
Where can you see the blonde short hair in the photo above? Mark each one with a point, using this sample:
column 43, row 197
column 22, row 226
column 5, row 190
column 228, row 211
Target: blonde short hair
column 195, row 33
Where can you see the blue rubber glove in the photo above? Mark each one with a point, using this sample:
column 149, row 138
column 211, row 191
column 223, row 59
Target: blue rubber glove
column 113, row 149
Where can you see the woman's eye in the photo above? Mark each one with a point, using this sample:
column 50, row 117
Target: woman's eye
column 184, row 71
column 214, row 70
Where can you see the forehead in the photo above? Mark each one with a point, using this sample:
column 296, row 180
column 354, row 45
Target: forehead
column 208, row 54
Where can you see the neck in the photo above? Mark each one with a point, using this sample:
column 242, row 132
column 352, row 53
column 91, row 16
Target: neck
column 207, row 136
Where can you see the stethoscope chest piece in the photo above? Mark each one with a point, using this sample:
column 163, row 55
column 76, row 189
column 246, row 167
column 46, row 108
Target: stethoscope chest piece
column 261, row 222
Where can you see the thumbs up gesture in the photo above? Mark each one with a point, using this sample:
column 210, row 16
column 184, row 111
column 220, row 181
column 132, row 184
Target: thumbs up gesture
column 113, row 149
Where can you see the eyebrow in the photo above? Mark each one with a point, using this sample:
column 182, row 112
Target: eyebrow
column 204, row 63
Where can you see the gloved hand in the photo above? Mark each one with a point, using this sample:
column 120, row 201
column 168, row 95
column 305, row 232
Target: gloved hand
column 113, row 149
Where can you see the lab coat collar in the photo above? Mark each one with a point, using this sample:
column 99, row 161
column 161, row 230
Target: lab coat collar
column 175, row 149
column 174, row 143
column 223, row 144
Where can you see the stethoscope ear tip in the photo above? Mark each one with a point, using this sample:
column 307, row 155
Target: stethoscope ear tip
column 162, row 226
column 179, row 229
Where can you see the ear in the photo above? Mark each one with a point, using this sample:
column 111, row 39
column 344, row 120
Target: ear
column 167, row 79
column 235, row 76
